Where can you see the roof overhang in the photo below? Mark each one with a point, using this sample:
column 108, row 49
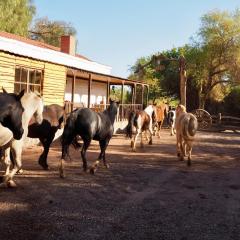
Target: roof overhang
column 48, row 55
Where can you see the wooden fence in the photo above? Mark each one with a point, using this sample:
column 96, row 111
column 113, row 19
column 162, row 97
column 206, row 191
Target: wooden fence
column 222, row 123
column 123, row 112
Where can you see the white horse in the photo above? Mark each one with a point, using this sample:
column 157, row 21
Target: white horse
column 186, row 128
column 142, row 121
column 33, row 106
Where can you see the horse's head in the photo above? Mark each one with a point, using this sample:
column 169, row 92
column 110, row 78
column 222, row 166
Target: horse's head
column 113, row 109
column 180, row 109
column 33, row 105
column 12, row 116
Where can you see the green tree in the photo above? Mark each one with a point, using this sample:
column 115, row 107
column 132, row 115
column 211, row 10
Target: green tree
column 50, row 32
column 214, row 57
column 16, row 16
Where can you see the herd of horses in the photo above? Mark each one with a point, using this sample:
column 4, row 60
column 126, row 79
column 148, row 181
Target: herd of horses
column 24, row 115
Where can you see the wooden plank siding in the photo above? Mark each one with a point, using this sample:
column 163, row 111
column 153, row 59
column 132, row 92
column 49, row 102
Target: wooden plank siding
column 54, row 84
column 7, row 71
column 54, row 76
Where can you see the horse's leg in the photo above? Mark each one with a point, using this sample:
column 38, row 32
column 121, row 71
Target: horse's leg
column 86, row 144
column 178, row 145
column 189, row 149
column 151, row 132
column 7, row 160
column 159, row 128
column 182, row 148
column 16, row 149
column 46, row 142
column 135, row 139
column 103, row 145
column 7, row 182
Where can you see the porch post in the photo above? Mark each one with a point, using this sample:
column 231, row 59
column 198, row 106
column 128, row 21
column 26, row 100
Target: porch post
column 147, row 93
column 108, row 90
column 142, row 95
column 73, row 90
column 89, row 89
column 135, row 94
column 122, row 100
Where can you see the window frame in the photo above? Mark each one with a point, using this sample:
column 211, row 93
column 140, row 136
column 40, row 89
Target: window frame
column 29, row 83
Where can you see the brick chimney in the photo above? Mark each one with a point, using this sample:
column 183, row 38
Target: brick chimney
column 68, row 45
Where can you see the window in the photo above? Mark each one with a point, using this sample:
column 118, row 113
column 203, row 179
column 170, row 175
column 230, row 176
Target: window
column 28, row 79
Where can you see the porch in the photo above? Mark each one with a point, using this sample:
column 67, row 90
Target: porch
column 92, row 90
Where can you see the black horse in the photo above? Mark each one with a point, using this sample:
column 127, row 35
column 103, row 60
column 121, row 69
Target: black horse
column 53, row 119
column 89, row 125
column 11, row 112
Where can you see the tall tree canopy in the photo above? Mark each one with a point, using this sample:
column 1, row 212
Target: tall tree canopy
column 50, row 31
column 16, row 16
column 212, row 61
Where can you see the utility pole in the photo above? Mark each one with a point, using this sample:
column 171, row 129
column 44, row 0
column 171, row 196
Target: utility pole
column 156, row 62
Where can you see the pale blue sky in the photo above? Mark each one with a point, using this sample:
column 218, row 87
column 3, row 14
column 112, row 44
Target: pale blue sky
column 118, row 32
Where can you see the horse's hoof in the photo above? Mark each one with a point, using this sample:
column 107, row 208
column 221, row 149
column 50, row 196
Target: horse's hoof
column 134, row 149
column 189, row 163
column 107, row 166
column 20, row 171
column 44, row 166
column 11, row 184
column 92, row 171
column 132, row 144
column 178, row 154
column 61, row 174
column 150, row 142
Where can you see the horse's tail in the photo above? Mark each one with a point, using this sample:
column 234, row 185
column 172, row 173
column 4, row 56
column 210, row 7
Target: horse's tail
column 190, row 126
column 131, row 122
column 68, row 136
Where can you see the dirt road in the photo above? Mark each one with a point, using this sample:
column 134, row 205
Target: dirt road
column 144, row 195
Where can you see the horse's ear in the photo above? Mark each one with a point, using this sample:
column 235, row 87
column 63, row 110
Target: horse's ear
column 19, row 96
column 4, row 90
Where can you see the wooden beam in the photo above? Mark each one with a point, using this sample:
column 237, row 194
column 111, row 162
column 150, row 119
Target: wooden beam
column 89, row 89
column 142, row 94
column 108, row 90
column 73, row 90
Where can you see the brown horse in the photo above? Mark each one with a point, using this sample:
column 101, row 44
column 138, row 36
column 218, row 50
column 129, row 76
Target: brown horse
column 161, row 113
column 186, row 128
column 142, row 121
column 53, row 119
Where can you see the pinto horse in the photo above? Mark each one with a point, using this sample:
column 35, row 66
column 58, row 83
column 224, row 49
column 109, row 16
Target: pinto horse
column 89, row 125
column 171, row 119
column 142, row 121
column 161, row 113
column 53, row 119
column 33, row 106
column 11, row 111
column 186, row 128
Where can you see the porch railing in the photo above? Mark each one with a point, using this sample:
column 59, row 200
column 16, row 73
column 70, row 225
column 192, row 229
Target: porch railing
column 123, row 112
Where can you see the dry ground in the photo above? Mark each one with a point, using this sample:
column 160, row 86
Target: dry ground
column 144, row 195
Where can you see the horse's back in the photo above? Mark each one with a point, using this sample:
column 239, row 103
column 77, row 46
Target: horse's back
column 92, row 125
column 187, row 125
column 53, row 116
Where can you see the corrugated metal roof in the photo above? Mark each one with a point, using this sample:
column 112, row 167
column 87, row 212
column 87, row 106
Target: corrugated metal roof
column 45, row 52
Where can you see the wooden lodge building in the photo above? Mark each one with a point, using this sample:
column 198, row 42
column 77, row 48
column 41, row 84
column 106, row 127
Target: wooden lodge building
column 63, row 77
